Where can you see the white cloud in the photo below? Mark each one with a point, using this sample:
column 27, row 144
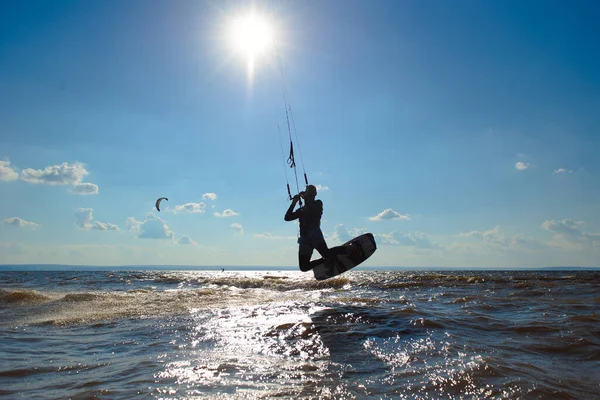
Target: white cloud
column 20, row 223
column 104, row 226
column 342, row 234
column 563, row 171
column 238, row 228
column 226, row 213
column 84, row 217
column 191, row 208
column 414, row 239
column 566, row 227
column 133, row 224
column 209, row 196
column 491, row 237
column 186, row 240
column 63, row 174
column 152, row 227
column 523, row 242
column 570, row 230
column 388, row 213
column 496, row 239
column 85, row 220
column 521, row 166
column 85, row 188
column 7, row 172
column 321, row 187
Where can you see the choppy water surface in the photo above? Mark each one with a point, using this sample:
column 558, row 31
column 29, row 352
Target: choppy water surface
column 268, row 334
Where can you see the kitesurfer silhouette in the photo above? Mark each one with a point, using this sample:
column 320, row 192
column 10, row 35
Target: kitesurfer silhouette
column 311, row 236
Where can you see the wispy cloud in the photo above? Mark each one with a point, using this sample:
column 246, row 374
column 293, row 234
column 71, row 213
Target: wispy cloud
column 520, row 241
column 186, row 240
column 491, row 236
column 12, row 248
column 496, row 239
column 522, row 166
column 226, row 213
column 238, row 228
column 20, row 223
column 389, row 214
column 570, row 231
column 63, row 174
column 268, row 235
column 7, row 172
column 85, row 220
column 209, row 196
column 321, row 187
column 567, row 227
column 191, row 208
column 85, row 188
column 414, row 239
column 563, row 171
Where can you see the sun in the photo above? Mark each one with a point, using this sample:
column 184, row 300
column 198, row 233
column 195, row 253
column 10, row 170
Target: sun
column 252, row 35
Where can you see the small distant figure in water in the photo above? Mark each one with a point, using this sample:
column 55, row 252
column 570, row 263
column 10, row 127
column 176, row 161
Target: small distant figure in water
column 311, row 236
column 222, row 269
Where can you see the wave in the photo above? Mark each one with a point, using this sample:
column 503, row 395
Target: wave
column 385, row 280
column 22, row 296
column 254, row 282
column 77, row 297
column 101, row 307
column 496, row 279
column 141, row 295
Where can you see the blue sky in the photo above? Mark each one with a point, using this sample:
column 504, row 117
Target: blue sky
column 460, row 133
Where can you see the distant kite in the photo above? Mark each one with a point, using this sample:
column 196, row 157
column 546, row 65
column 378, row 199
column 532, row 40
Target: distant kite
column 158, row 202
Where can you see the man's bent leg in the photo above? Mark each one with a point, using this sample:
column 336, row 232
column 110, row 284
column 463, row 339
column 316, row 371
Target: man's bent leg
column 304, row 254
column 327, row 252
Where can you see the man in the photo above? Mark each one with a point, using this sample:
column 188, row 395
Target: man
column 311, row 236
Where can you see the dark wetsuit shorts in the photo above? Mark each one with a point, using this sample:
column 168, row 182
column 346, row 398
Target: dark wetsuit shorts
column 313, row 240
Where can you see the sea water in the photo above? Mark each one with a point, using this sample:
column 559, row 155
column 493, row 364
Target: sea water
column 281, row 334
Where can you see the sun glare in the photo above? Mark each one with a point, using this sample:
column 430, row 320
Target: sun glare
column 252, row 35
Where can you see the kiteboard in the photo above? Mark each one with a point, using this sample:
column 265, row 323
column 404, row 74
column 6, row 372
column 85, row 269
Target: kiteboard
column 328, row 268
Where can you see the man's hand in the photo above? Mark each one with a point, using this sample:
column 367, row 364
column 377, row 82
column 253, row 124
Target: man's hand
column 290, row 215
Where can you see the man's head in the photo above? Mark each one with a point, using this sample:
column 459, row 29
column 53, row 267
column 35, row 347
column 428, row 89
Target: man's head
column 310, row 192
